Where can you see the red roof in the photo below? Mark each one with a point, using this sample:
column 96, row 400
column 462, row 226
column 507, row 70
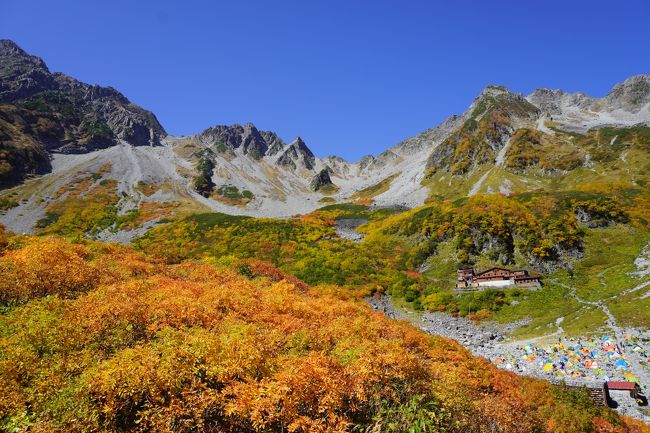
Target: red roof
column 493, row 268
column 621, row 386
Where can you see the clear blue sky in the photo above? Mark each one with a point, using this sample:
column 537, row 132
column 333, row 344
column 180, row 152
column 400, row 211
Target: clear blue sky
column 350, row 77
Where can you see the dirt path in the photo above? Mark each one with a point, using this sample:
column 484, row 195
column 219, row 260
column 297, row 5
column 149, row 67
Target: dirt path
column 642, row 263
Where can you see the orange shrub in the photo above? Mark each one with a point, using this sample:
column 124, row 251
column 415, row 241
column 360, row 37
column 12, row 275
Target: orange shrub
column 260, row 268
column 46, row 266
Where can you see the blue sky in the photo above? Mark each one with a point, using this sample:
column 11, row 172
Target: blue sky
column 350, row 77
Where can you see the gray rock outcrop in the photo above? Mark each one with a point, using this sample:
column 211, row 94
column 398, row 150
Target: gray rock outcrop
column 296, row 154
column 253, row 142
column 321, row 180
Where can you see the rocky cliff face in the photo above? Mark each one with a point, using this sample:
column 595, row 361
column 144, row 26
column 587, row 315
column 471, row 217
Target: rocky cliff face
column 249, row 141
column 553, row 101
column 628, row 103
column 297, row 154
column 322, row 180
column 21, row 75
column 632, row 95
column 25, row 80
column 21, row 150
column 247, row 138
column 43, row 112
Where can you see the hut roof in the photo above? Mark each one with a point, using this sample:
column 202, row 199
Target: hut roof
column 621, row 386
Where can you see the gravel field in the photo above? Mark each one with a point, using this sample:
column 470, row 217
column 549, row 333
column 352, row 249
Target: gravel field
column 346, row 228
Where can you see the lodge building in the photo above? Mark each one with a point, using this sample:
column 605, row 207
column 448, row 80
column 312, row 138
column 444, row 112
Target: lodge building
column 468, row 279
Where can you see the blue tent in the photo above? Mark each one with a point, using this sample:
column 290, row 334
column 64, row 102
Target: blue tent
column 621, row 363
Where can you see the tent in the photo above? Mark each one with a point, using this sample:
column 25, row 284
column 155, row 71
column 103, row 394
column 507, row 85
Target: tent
column 621, row 364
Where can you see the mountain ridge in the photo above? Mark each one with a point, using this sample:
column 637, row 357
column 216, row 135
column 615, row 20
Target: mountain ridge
column 23, row 76
column 500, row 143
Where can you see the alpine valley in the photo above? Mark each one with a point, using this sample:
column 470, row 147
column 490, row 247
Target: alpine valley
column 225, row 281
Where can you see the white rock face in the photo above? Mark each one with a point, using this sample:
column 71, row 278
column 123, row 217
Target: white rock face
column 627, row 104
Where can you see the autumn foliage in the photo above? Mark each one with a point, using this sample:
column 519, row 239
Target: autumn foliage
column 97, row 338
column 45, row 266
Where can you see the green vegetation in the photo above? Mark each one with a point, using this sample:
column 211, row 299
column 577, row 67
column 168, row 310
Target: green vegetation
column 603, row 274
column 365, row 196
column 221, row 148
column 531, row 148
column 503, row 230
column 354, row 210
column 567, row 151
column 7, row 202
column 535, row 160
column 607, row 143
column 231, row 195
column 325, row 200
column 328, row 189
column 306, row 248
column 85, row 207
column 49, row 219
column 89, row 205
column 473, row 143
column 414, row 255
column 202, row 183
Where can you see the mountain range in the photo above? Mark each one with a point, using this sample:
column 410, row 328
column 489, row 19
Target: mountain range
column 54, row 129
column 239, row 304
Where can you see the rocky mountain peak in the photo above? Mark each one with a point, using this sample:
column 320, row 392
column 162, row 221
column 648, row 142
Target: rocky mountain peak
column 300, row 143
column 9, row 48
column 494, row 90
column 274, row 143
column 297, row 153
column 102, row 115
column 554, row 101
column 21, row 75
column 630, row 95
column 335, row 159
column 365, row 161
column 482, row 131
column 253, row 142
column 301, row 148
column 546, row 94
column 8, row 45
column 499, row 97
